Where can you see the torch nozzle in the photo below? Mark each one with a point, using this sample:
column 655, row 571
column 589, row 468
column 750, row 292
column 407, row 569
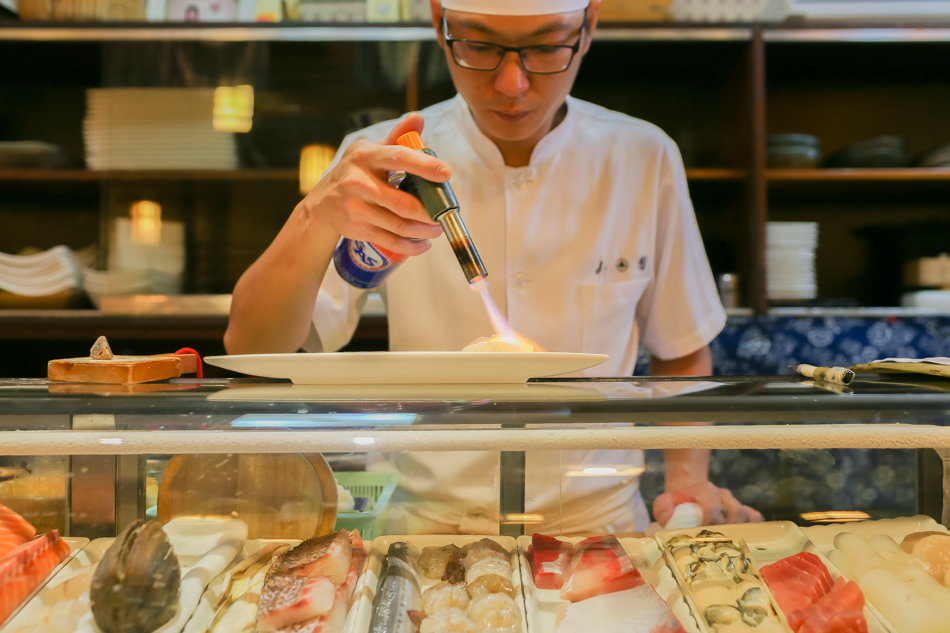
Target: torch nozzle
column 463, row 246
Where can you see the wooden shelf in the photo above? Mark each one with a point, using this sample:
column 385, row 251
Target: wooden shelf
column 908, row 174
column 40, row 31
column 716, row 174
column 274, row 175
column 83, row 175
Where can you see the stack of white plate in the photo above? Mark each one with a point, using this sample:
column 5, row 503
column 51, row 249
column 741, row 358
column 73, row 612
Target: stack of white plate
column 46, row 273
column 155, row 128
column 790, row 260
column 136, row 268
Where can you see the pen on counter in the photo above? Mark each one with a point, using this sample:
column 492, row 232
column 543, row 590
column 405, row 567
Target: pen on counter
column 838, row 375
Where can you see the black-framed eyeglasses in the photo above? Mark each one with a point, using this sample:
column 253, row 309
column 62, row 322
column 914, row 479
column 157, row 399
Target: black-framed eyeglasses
column 538, row 59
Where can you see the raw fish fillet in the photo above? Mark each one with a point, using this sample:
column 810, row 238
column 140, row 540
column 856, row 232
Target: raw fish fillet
column 550, row 559
column 285, row 595
column 322, row 556
column 599, row 565
column 14, row 530
column 839, row 611
column 637, row 610
column 803, row 588
column 25, row 568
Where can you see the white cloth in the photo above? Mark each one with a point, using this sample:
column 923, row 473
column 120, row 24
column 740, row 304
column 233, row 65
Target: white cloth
column 590, row 248
column 515, row 7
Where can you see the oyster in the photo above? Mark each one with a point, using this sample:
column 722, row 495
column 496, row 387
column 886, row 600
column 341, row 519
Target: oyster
column 680, row 540
column 135, row 588
column 723, row 614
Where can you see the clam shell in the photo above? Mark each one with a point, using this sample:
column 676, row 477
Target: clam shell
column 136, row 586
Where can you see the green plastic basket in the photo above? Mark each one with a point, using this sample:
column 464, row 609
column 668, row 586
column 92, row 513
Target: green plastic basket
column 379, row 488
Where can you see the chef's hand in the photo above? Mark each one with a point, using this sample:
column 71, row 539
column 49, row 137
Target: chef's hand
column 355, row 200
column 718, row 505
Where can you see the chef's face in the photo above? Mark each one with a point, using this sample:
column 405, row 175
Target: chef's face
column 515, row 108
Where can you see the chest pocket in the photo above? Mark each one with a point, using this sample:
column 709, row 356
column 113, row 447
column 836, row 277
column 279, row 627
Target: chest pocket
column 609, row 316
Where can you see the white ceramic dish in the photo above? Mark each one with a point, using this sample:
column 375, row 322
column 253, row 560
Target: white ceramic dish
column 517, row 392
column 375, row 368
column 367, row 590
column 542, row 604
column 772, row 541
column 194, row 553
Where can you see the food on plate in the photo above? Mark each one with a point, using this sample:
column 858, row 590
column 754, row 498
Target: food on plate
column 483, row 603
column 136, row 586
column 490, row 583
column 901, row 588
column 483, row 550
column 26, row 567
column 498, row 343
column 229, row 605
column 204, row 547
column 445, row 595
column 14, row 530
column 308, row 588
column 452, row 620
column 443, row 563
column 933, row 549
column 606, row 592
column 724, row 583
column 804, row 590
column 494, row 611
column 398, row 592
column 550, row 558
column 599, row 565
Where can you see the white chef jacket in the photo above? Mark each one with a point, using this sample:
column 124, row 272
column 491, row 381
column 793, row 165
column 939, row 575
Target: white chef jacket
column 593, row 247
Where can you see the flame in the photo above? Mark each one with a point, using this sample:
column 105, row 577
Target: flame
column 498, row 322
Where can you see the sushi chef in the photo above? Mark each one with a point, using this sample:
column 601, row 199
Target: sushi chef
column 583, row 219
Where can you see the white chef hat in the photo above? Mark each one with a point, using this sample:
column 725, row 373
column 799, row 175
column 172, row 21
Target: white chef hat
column 515, row 7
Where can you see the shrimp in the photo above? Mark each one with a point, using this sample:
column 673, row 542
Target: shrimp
column 490, row 583
column 488, row 566
column 494, row 610
column 451, row 620
column 444, row 596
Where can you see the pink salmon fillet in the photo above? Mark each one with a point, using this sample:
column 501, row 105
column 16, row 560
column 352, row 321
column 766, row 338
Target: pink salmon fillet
column 14, row 530
column 24, row 569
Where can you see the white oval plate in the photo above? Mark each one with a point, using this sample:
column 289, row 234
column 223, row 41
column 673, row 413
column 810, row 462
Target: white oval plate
column 389, row 368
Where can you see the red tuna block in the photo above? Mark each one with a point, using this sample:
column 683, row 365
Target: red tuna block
column 838, row 611
column 599, row 565
column 549, row 558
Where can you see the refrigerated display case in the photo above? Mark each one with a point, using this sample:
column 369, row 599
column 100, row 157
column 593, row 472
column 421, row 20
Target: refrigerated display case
column 88, row 460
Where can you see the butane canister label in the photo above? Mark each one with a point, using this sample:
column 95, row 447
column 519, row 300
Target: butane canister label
column 364, row 264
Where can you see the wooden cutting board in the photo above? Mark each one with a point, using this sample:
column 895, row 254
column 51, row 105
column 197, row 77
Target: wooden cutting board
column 121, row 370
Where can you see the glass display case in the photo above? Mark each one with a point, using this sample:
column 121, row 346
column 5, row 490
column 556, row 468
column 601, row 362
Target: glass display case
column 86, row 459
column 563, row 457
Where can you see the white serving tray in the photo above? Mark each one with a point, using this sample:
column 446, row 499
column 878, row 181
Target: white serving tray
column 542, row 604
column 823, row 536
column 367, row 591
column 772, row 541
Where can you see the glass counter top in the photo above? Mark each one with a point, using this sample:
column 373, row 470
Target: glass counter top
column 250, row 415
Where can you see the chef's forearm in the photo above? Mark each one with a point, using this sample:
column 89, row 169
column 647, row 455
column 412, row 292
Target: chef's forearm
column 273, row 301
column 685, row 466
